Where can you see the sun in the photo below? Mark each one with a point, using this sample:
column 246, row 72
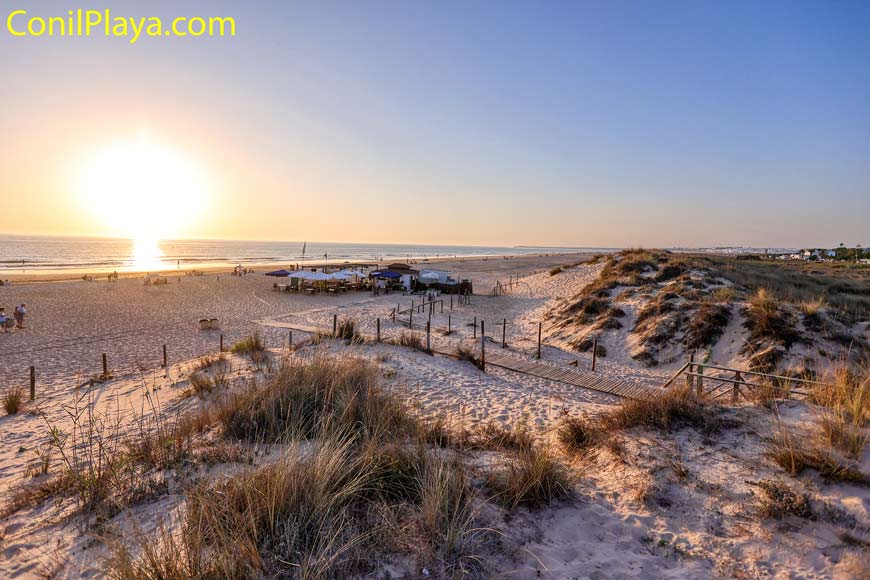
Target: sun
column 143, row 189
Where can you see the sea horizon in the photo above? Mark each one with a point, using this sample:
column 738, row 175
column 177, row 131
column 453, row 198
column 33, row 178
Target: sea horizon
column 47, row 254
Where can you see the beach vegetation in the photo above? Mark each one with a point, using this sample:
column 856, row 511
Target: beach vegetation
column 532, row 477
column 251, row 345
column 13, row 399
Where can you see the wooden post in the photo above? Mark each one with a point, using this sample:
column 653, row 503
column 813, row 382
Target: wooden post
column 410, row 318
column 165, row 358
column 448, row 325
column 451, row 302
column 290, row 339
column 700, row 386
column 334, row 324
column 690, row 380
column 735, row 391
column 222, row 343
column 540, row 324
column 442, row 305
column 32, row 383
column 594, row 352
column 429, row 321
column 105, row 365
column 428, row 337
column 504, row 334
column 379, row 330
column 475, row 327
column 482, row 347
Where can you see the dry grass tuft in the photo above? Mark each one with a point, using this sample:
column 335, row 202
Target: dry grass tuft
column 796, row 454
column 768, row 322
column 250, row 345
column 306, row 395
column 578, row 433
column 347, row 330
column 468, row 354
column 675, row 408
column 410, row 339
column 531, row 478
column 494, row 435
column 13, row 399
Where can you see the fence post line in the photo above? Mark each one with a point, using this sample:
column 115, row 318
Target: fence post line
column 700, row 385
column 540, row 324
column 428, row 337
column 165, row 358
column 594, row 352
column 504, row 333
column 105, row 365
column 482, row 347
column 379, row 330
column 32, row 383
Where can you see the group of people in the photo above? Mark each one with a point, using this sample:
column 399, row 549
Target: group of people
column 17, row 319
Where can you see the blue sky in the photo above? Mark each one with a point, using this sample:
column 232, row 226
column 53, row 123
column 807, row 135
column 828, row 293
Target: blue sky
column 570, row 123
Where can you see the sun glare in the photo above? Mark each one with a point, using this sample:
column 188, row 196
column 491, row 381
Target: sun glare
column 143, row 190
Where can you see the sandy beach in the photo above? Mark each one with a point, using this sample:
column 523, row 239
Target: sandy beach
column 73, row 323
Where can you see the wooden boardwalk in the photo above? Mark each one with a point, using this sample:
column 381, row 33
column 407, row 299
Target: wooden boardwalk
column 573, row 376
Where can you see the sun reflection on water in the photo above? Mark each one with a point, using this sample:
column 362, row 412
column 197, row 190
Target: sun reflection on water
column 147, row 254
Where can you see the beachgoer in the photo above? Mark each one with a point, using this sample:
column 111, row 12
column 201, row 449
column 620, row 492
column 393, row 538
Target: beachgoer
column 3, row 320
column 20, row 312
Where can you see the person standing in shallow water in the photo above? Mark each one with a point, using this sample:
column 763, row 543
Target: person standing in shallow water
column 20, row 312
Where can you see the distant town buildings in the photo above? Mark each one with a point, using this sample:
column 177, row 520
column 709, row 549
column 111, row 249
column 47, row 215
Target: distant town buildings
column 840, row 254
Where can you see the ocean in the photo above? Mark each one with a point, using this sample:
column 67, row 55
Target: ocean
column 49, row 254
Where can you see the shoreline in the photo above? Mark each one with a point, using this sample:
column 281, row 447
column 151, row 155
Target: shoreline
column 98, row 273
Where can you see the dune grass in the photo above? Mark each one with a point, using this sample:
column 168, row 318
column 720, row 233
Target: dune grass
column 356, row 485
column 13, row 399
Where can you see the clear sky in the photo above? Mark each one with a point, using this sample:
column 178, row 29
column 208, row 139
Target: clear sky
column 546, row 123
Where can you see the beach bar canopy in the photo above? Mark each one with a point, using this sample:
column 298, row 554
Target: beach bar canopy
column 386, row 274
column 279, row 273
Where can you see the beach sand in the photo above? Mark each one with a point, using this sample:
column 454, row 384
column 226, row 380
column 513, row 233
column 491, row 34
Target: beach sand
column 708, row 530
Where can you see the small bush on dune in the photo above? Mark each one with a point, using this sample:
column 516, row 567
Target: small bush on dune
column 767, row 321
column 577, row 433
column 530, row 478
column 780, row 500
column 467, row 354
column 347, row 331
column 494, row 435
column 796, row 454
column 674, row 408
column 201, row 384
column 249, row 345
column 306, row 396
column 556, row 270
column 707, row 326
column 12, row 400
column 410, row 339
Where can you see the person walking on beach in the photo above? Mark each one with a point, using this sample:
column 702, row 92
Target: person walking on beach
column 20, row 312
column 3, row 320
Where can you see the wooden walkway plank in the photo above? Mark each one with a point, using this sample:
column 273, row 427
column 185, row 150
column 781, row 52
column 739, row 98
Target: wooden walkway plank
column 573, row 376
